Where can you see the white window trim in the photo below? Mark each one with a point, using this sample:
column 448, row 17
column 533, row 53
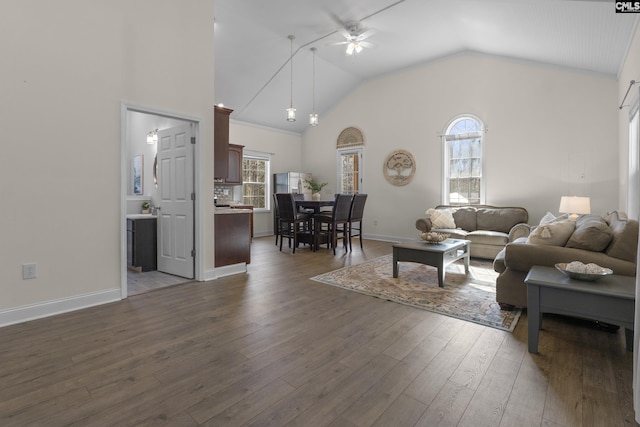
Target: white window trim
column 359, row 150
column 633, row 185
column 259, row 155
column 445, row 155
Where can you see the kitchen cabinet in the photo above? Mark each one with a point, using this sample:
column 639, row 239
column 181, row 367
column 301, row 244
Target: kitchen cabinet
column 232, row 236
column 234, row 174
column 221, row 142
column 142, row 243
column 246, row 207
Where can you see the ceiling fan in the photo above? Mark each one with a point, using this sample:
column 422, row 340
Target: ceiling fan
column 355, row 36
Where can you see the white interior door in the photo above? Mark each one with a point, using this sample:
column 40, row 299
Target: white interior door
column 175, row 189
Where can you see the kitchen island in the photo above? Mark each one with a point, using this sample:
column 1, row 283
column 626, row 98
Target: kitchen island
column 232, row 236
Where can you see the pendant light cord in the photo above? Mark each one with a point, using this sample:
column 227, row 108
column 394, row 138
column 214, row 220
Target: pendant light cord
column 313, row 93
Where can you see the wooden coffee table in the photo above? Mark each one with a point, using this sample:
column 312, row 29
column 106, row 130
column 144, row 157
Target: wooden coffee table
column 438, row 255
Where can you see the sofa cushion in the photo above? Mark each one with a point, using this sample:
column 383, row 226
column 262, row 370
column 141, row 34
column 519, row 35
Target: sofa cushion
column 487, row 237
column 500, row 219
column 624, row 243
column 554, row 233
column 592, row 233
column 441, row 218
column 465, row 218
column 455, row 233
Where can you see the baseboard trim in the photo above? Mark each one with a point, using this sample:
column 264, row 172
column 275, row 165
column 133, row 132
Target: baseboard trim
column 26, row 313
column 228, row 270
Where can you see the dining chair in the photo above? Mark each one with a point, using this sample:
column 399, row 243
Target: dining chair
column 291, row 222
column 336, row 222
column 276, row 218
column 355, row 217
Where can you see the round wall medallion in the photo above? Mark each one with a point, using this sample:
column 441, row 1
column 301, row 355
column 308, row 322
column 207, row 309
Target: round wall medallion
column 399, row 167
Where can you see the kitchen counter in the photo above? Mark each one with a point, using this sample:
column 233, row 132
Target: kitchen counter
column 232, row 211
column 140, row 216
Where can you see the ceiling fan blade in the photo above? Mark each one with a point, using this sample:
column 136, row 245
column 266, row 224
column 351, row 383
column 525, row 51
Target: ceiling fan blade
column 345, row 33
column 365, row 35
column 338, row 43
column 366, row 44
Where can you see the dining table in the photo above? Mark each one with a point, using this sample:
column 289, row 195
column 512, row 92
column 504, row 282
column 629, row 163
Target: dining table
column 316, row 205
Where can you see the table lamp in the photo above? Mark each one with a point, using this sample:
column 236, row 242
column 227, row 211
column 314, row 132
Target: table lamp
column 575, row 206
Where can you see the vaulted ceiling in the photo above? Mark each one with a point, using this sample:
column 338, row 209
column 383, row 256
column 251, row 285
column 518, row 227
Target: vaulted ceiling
column 252, row 48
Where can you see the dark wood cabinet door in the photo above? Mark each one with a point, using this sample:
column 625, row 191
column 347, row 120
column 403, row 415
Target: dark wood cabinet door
column 221, row 142
column 234, row 175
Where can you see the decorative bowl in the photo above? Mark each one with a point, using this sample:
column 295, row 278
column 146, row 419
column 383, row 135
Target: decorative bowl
column 589, row 277
column 433, row 237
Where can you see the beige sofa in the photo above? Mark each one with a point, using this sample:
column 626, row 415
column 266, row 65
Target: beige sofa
column 610, row 241
column 489, row 228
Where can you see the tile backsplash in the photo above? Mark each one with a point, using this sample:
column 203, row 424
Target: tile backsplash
column 224, row 193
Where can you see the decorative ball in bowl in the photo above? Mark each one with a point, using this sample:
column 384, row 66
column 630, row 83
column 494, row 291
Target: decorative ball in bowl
column 587, row 272
column 433, row 236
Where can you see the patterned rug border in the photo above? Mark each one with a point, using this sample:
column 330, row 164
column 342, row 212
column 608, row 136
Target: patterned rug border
column 514, row 315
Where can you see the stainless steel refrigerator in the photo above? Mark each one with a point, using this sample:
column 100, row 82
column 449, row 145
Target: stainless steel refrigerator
column 291, row 182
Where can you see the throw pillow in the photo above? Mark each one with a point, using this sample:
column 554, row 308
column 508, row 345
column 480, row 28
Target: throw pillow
column 625, row 236
column 441, row 218
column 592, row 233
column 554, row 233
column 547, row 218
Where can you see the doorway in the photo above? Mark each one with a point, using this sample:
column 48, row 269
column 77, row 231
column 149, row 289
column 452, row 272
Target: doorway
column 152, row 168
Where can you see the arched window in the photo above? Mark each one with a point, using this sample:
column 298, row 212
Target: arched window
column 350, row 148
column 463, row 161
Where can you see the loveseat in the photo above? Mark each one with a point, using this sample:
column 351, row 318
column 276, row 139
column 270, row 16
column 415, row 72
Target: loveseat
column 610, row 241
column 489, row 228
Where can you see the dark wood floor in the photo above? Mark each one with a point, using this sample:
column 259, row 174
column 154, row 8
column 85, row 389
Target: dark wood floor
column 273, row 348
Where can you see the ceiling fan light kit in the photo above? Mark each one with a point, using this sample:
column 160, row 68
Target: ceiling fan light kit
column 353, row 47
column 355, row 35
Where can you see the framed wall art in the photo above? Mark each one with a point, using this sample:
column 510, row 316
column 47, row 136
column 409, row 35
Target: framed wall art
column 138, row 173
column 399, row 167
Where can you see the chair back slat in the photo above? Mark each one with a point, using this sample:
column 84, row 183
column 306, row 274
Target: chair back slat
column 357, row 207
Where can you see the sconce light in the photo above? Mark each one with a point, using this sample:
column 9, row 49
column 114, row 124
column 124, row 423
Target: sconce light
column 575, row 206
column 152, row 137
column 291, row 112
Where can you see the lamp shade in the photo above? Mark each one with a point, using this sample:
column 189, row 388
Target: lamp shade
column 575, row 205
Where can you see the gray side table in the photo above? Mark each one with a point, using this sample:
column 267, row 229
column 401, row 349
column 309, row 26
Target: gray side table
column 610, row 299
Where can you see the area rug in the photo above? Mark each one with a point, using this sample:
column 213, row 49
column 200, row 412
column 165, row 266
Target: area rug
column 469, row 297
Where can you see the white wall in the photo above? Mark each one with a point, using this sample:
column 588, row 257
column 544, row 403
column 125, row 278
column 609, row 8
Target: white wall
column 67, row 67
column 286, row 148
column 552, row 132
column 630, row 71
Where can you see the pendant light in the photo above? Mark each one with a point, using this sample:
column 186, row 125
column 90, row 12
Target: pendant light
column 291, row 112
column 313, row 117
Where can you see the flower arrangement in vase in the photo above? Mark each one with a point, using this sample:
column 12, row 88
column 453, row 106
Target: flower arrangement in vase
column 315, row 187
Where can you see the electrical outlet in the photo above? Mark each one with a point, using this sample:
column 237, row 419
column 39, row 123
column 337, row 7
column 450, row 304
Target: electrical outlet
column 375, row 222
column 29, row 271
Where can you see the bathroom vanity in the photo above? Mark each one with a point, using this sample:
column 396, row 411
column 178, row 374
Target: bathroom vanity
column 141, row 242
